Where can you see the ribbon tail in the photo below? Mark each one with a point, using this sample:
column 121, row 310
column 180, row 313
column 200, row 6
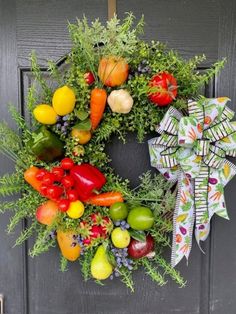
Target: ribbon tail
column 183, row 220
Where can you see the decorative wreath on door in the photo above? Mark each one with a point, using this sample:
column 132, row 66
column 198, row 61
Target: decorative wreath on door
column 116, row 83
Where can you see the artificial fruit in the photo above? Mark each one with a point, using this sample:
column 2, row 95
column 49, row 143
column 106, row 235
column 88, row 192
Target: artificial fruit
column 75, row 210
column 47, row 212
column 100, row 267
column 63, row 100
column 69, row 247
column 120, row 238
column 113, row 71
column 45, row 114
column 138, row 249
column 140, row 218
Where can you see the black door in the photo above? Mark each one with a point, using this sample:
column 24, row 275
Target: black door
column 35, row 286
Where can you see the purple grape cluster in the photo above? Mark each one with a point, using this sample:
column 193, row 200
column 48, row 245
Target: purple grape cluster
column 121, row 257
column 63, row 124
column 52, row 234
column 143, row 68
column 122, row 224
column 78, row 240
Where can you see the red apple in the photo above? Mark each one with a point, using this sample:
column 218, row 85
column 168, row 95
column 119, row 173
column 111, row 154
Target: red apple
column 138, row 249
column 89, row 78
column 47, row 212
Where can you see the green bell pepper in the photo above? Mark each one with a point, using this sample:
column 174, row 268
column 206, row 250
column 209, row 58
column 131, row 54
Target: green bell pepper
column 46, row 145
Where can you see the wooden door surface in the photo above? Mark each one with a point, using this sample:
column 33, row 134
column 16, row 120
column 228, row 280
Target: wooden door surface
column 35, row 286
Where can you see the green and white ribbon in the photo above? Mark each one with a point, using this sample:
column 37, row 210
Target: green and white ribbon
column 191, row 151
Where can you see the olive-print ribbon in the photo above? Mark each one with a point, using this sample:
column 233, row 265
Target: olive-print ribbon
column 191, row 151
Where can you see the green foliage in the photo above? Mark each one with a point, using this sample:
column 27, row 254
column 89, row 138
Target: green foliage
column 43, row 241
column 126, row 278
column 151, row 270
column 46, row 90
column 85, row 262
column 11, row 184
column 63, row 264
column 26, row 233
column 7, row 206
column 172, row 272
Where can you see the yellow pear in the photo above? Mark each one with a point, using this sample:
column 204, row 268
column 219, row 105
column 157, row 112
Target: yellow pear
column 100, row 267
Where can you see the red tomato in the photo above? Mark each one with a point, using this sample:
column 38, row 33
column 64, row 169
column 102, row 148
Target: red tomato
column 63, row 205
column 58, row 172
column 49, row 179
column 89, row 78
column 72, row 195
column 67, row 163
column 43, row 190
column 168, row 89
column 54, row 192
column 68, row 182
column 40, row 174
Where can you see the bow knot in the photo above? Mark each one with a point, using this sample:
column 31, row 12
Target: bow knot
column 191, row 151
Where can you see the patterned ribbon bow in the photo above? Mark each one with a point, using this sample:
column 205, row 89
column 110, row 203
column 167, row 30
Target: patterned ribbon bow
column 191, row 151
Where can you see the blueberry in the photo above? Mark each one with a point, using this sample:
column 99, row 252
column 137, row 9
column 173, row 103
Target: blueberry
column 117, row 223
column 65, row 118
column 118, row 260
column 123, row 223
column 111, row 277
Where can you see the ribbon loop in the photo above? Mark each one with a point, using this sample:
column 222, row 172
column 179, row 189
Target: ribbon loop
column 202, row 147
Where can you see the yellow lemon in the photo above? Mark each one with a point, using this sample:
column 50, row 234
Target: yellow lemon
column 75, row 210
column 45, row 114
column 63, row 100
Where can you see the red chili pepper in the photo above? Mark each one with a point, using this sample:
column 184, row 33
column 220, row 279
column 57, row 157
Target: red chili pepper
column 88, row 180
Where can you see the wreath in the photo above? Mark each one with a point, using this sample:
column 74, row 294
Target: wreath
column 114, row 83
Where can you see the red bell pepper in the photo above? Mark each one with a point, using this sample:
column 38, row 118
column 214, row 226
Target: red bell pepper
column 88, row 180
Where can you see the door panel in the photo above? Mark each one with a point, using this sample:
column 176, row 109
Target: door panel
column 12, row 282
column 223, row 253
column 192, row 28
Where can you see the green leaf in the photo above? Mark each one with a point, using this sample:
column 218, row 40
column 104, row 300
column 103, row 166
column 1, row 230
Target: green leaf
column 82, row 115
column 138, row 235
column 111, row 258
column 83, row 125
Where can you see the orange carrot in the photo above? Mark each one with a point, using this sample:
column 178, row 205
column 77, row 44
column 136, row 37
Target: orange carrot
column 106, row 199
column 97, row 106
column 30, row 177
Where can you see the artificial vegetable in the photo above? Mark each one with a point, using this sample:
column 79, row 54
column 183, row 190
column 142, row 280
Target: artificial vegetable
column 30, row 176
column 166, row 86
column 46, row 145
column 120, row 101
column 88, row 180
column 106, row 199
column 97, row 106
